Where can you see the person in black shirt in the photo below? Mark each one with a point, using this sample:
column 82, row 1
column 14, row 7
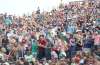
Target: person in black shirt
column 5, row 43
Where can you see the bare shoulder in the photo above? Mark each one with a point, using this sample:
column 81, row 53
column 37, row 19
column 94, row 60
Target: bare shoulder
column 97, row 62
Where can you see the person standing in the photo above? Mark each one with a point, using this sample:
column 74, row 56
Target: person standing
column 97, row 40
column 88, row 44
column 5, row 43
column 34, row 46
column 42, row 42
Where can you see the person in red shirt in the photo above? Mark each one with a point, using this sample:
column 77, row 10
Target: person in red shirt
column 42, row 42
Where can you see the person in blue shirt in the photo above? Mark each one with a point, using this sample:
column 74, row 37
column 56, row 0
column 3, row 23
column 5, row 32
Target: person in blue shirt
column 71, row 29
column 88, row 44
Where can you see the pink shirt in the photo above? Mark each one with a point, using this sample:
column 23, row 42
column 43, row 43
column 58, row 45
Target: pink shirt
column 1, row 26
column 97, row 40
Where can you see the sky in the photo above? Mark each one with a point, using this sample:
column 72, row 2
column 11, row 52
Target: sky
column 19, row 7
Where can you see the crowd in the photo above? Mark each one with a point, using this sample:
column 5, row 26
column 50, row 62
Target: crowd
column 69, row 35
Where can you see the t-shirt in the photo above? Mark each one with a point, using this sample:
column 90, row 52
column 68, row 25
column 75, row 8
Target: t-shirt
column 9, row 34
column 71, row 29
column 2, row 56
column 20, row 38
column 73, row 64
column 82, row 61
column 97, row 40
column 42, row 42
column 8, row 21
column 88, row 43
column 29, row 57
column 34, row 47
column 63, row 36
column 1, row 26
column 54, row 54
column 37, row 35
column 62, row 54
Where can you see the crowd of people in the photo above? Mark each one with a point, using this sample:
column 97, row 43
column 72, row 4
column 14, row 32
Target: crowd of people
column 69, row 35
